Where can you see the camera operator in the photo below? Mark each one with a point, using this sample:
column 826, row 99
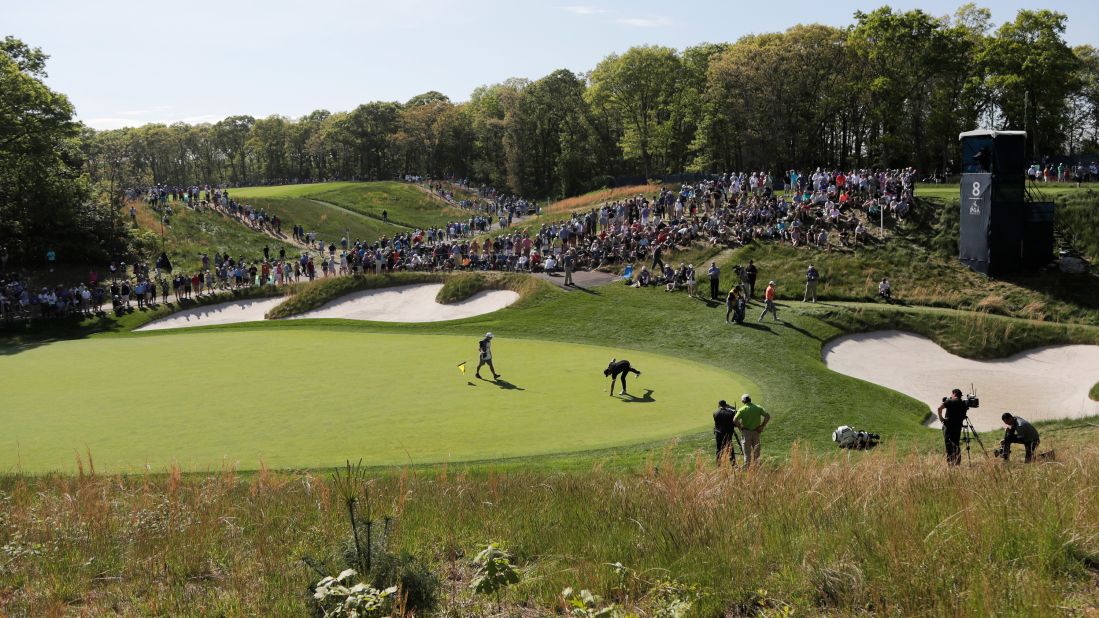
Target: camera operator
column 956, row 410
column 1018, row 431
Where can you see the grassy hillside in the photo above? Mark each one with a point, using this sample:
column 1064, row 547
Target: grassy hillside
column 923, row 277
column 1077, row 211
column 192, row 233
column 595, row 199
column 330, row 223
column 407, row 205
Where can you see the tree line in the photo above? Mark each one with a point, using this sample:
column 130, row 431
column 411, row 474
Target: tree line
column 893, row 88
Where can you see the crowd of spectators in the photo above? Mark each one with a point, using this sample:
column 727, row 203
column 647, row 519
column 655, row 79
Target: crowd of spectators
column 822, row 208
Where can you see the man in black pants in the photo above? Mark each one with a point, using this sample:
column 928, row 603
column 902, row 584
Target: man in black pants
column 619, row 368
column 725, row 431
column 485, row 354
column 750, row 274
column 956, row 410
column 1018, row 431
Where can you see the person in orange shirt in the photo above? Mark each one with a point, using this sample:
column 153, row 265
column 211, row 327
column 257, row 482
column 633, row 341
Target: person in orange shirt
column 769, row 298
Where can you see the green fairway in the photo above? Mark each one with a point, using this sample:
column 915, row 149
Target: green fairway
column 330, row 223
column 312, row 398
column 404, row 204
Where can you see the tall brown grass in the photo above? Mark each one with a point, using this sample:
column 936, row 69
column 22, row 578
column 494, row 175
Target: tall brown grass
column 884, row 532
column 595, row 198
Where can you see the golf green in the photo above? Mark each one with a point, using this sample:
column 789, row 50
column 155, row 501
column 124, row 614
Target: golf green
column 298, row 398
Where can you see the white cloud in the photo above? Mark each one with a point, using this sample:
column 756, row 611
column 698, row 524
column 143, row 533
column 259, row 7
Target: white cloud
column 585, row 9
column 644, row 22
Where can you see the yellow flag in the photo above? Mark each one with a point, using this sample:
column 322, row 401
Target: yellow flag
column 462, row 367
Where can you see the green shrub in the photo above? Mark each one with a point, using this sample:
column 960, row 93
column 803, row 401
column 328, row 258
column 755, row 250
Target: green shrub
column 417, row 584
column 462, row 286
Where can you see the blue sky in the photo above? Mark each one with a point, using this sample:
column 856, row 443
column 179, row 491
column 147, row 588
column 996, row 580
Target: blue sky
column 126, row 63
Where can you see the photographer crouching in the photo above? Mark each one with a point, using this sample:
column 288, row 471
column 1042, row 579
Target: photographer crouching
column 1018, row 431
column 955, row 409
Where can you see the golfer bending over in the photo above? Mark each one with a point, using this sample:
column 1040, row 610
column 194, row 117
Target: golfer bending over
column 485, row 346
column 619, row 368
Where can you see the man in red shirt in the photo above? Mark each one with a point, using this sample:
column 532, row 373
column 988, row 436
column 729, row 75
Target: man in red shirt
column 769, row 298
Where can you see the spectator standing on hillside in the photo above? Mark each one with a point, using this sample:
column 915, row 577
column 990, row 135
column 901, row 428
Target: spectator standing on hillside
column 658, row 254
column 715, row 278
column 751, row 420
column 811, row 278
column 769, row 300
column 725, row 431
column 51, row 258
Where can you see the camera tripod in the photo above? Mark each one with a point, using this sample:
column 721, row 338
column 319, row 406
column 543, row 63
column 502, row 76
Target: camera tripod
column 970, row 433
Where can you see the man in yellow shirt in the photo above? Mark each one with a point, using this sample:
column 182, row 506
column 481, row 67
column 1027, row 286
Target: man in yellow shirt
column 751, row 419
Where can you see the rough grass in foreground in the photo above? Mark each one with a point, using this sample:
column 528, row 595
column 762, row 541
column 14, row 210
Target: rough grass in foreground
column 884, row 532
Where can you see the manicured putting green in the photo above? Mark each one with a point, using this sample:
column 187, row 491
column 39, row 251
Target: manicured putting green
column 313, row 398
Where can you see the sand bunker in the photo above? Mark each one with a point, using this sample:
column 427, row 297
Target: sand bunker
column 1044, row 383
column 410, row 303
column 251, row 310
column 407, row 303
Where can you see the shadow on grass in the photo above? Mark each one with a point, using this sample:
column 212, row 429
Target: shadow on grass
column 646, row 398
column 505, row 385
column 584, row 290
column 801, row 330
column 757, row 326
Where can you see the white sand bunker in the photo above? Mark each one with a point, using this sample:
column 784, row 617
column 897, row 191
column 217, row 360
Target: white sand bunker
column 251, row 310
column 1044, row 383
column 406, row 303
column 411, row 303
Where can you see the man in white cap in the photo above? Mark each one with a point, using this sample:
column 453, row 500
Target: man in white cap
column 485, row 346
column 769, row 299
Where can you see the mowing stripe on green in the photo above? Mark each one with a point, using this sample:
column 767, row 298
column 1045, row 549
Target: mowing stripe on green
column 308, row 398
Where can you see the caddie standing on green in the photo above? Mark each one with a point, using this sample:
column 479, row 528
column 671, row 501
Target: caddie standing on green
column 751, row 419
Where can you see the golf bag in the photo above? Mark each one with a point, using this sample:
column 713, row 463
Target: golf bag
column 851, row 438
column 738, row 311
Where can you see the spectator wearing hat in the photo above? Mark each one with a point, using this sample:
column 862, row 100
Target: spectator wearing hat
column 811, row 279
column 485, row 355
column 751, row 420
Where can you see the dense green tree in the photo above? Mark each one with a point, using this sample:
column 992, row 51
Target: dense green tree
column 893, row 88
column 1031, row 71
column 640, row 86
column 44, row 198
